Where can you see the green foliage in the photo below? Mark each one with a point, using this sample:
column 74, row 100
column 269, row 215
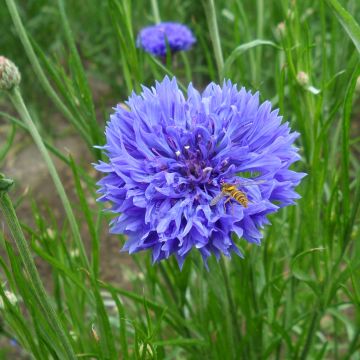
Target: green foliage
column 347, row 21
column 298, row 295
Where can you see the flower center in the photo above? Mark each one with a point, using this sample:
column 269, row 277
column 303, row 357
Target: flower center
column 195, row 167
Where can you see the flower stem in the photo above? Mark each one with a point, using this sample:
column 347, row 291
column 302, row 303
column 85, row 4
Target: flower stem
column 260, row 35
column 39, row 71
column 214, row 34
column 18, row 102
column 155, row 10
column 232, row 307
column 310, row 335
column 7, row 208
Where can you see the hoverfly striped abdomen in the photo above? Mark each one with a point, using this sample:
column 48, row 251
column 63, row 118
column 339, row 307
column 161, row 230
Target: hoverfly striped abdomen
column 231, row 191
column 234, row 193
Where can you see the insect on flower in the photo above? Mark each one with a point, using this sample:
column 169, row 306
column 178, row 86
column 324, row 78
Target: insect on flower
column 232, row 192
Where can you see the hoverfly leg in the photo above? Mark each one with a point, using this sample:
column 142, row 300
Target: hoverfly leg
column 226, row 201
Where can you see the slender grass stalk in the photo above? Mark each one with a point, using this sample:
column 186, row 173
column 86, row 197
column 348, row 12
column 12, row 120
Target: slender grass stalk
column 260, row 35
column 167, row 71
column 121, row 16
column 9, row 141
column 38, row 69
column 84, row 176
column 347, row 21
column 310, row 334
column 18, row 102
column 29, row 265
column 214, row 34
column 234, row 318
column 84, row 90
column 155, row 10
column 95, row 241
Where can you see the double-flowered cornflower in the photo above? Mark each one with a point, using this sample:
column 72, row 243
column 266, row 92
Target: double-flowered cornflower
column 170, row 155
column 158, row 38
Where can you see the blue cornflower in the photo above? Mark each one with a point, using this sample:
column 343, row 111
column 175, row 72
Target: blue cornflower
column 169, row 157
column 153, row 38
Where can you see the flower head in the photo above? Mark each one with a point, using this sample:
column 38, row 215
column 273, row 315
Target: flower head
column 9, row 74
column 303, row 78
column 169, row 157
column 155, row 39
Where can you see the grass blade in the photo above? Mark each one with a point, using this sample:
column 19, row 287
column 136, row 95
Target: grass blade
column 241, row 49
column 347, row 22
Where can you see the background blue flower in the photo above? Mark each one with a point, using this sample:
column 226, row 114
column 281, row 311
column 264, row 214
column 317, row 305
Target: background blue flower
column 168, row 156
column 153, row 38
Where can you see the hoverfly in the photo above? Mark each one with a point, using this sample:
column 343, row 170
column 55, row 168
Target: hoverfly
column 232, row 192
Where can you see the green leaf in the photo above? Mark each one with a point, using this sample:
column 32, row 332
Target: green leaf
column 241, row 49
column 9, row 141
column 347, row 21
column 122, row 325
column 349, row 325
column 181, row 342
column 300, row 274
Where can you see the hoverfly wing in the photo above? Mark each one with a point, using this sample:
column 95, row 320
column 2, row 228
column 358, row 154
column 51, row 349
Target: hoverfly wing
column 216, row 199
column 250, row 183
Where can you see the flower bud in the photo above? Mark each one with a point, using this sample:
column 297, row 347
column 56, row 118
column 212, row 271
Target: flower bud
column 302, row 78
column 280, row 30
column 9, row 74
column 5, row 183
column 357, row 86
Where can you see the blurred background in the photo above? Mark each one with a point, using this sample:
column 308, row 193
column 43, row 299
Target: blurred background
column 296, row 296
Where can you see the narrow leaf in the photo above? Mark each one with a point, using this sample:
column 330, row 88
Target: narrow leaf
column 347, row 22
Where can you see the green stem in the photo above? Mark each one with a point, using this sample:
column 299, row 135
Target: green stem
column 84, row 176
column 187, row 66
column 231, row 302
column 38, row 69
column 310, row 335
column 155, row 10
column 33, row 276
column 18, row 102
column 214, row 34
column 260, row 35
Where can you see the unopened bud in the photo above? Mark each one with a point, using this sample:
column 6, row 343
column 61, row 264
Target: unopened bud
column 94, row 332
column 10, row 296
column 280, row 30
column 5, row 183
column 357, row 86
column 9, row 74
column 302, row 78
